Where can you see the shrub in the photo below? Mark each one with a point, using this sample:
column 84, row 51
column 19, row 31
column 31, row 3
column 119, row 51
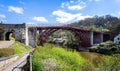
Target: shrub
column 49, row 64
column 55, row 58
column 12, row 38
column 110, row 63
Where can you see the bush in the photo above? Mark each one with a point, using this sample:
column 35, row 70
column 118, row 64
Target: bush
column 110, row 63
column 107, row 48
column 55, row 58
column 12, row 38
column 5, row 52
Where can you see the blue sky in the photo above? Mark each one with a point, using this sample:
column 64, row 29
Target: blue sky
column 55, row 11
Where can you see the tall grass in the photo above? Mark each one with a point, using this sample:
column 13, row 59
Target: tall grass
column 16, row 48
column 110, row 63
column 54, row 58
column 5, row 52
column 20, row 48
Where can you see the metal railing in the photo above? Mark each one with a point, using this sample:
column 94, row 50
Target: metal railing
column 30, row 61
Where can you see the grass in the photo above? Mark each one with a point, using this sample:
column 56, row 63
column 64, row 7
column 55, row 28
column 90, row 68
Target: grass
column 94, row 58
column 103, row 62
column 20, row 48
column 5, row 52
column 54, row 58
column 110, row 63
column 16, row 48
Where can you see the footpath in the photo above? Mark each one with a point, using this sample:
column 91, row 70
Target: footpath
column 6, row 44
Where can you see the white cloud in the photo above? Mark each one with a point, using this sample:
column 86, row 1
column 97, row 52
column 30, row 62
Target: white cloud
column 2, row 16
column 18, row 10
column 74, row 5
column 77, row 6
column 71, row 1
column 64, row 17
column 40, row 19
column 83, row 17
column 63, row 5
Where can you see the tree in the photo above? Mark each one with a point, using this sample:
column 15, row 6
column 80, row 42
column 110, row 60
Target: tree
column 116, row 29
column 107, row 22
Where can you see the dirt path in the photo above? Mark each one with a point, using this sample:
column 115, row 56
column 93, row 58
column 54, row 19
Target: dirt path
column 6, row 44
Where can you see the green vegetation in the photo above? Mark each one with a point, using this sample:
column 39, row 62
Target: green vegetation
column 16, row 48
column 106, row 48
column 11, row 37
column 68, row 39
column 5, row 52
column 105, row 23
column 110, row 63
column 103, row 62
column 54, row 58
column 94, row 58
column 20, row 48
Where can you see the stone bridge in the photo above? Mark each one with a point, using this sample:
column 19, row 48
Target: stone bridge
column 28, row 35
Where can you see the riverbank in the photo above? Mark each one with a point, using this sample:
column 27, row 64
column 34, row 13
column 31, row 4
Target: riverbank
column 57, row 58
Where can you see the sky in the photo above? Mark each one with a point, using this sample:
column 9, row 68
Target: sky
column 55, row 11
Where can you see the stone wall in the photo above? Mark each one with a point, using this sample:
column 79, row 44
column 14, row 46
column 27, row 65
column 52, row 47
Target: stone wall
column 18, row 31
column 7, row 61
column 32, row 36
column 21, row 32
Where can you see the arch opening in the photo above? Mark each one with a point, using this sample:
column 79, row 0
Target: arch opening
column 63, row 37
column 9, row 36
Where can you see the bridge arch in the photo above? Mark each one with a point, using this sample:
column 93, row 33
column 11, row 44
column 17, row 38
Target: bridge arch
column 82, row 35
column 67, row 33
column 87, row 37
column 8, row 35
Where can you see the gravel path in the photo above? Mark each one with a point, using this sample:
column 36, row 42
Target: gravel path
column 6, row 44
